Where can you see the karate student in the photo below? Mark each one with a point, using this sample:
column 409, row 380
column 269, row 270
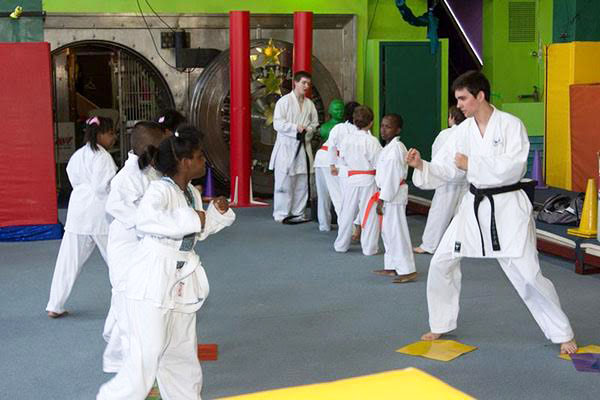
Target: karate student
column 126, row 191
column 446, row 197
column 390, row 177
column 90, row 170
column 295, row 118
column 494, row 219
column 166, row 283
column 358, row 151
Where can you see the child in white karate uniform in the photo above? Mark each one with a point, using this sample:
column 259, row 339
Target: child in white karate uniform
column 90, row 170
column 391, row 204
column 126, row 190
column 166, row 283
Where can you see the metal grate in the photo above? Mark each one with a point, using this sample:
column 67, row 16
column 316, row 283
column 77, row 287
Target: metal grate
column 521, row 21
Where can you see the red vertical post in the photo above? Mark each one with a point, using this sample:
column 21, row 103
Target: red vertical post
column 240, row 151
column 303, row 40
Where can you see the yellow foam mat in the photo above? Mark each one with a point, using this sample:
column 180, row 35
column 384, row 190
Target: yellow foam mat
column 441, row 350
column 409, row 383
column 592, row 348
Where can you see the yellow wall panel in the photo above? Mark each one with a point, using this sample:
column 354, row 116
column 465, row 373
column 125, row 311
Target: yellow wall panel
column 558, row 146
column 568, row 64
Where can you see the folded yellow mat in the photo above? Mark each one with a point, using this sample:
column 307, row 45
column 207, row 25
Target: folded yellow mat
column 409, row 383
column 441, row 350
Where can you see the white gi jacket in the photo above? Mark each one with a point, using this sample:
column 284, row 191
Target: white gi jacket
column 126, row 190
column 163, row 218
column 336, row 136
column 90, row 173
column 286, row 118
column 359, row 151
column 391, row 171
column 499, row 158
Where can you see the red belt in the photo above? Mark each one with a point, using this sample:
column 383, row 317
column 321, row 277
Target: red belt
column 356, row 172
column 327, row 148
column 372, row 201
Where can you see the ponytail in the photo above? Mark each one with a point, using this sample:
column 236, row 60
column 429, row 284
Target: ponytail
column 95, row 126
column 148, row 157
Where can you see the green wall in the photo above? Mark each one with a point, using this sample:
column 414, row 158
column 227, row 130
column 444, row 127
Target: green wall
column 512, row 68
column 24, row 29
column 386, row 20
column 576, row 20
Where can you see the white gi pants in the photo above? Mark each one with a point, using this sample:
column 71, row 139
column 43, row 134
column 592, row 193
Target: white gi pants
column 290, row 195
column 328, row 192
column 443, row 207
column 74, row 251
column 115, row 333
column 538, row 293
column 355, row 200
column 163, row 346
column 396, row 239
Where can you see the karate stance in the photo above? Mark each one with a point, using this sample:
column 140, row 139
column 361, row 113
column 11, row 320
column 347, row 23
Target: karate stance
column 358, row 151
column 126, row 190
column 392, row 197
column 446, row 197
column 494, row 219
column 90, row 170
column 295, row 118
column 166, row 283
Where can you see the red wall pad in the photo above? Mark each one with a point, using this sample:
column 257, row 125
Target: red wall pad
column 27, row 169
column 585, row 142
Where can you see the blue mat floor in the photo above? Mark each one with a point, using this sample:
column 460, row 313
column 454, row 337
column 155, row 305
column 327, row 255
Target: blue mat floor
column 286, row 310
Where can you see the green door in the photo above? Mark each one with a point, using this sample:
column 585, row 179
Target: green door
column 410, row 86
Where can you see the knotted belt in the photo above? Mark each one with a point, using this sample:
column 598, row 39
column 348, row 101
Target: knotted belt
column 480, row 194
column 370, row 205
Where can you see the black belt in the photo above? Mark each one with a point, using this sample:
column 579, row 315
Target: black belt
column 480, row 194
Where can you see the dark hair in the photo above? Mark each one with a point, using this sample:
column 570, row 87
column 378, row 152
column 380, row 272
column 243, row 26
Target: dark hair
column 456, row 114
column 181, row 145
column 474, row 82
column 362, row 116
column 145, row 138
column 398, row 121
column 301, row 74
column 349, row 110
column 95, row 126
column 170, row 119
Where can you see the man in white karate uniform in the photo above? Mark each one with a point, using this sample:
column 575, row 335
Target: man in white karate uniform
column 392, row 197
column 358, row 151
column 446, row 197
column 295, row 118
column 494, row 219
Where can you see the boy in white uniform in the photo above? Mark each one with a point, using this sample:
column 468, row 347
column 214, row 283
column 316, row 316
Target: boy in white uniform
column 295, row 118
column 494, row 219
column 391, row 203
column 126, row 190
column 446, row 197
column 358, row 151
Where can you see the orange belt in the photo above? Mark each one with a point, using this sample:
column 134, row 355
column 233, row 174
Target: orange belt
column 370, row 204
column 356, row 172
column 327, row 148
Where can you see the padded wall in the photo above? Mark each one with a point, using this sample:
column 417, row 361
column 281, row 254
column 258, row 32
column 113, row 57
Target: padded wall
column 568, row 64
column 585, row 136
column 27, row 168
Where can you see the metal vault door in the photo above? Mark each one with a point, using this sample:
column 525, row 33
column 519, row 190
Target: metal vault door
column 129, row 89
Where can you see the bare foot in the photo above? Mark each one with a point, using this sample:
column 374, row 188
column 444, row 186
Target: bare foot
column 356, row 234
column 406, row 278
column 385, row 272
column 431, row 336
column 53, row 314
column 419, row 250
column 569, row 347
